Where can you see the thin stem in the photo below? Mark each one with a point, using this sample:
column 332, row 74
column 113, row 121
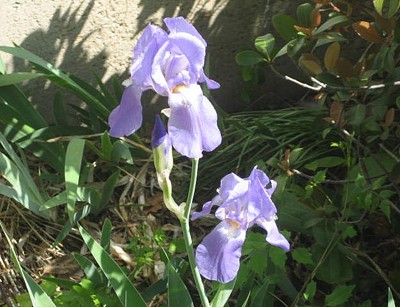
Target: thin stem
column 192, row 188
column 322, row 85
column 187, row 237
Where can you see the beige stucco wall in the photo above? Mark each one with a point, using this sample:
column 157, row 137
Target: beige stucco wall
column 86, row 37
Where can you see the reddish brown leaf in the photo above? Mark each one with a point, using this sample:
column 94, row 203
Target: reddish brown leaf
column 336, row 113
column 285, row 164
column 315, row 18
column 367, row 31
column 306, row 31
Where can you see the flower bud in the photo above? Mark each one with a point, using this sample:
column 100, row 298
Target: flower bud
column 162, row 150
column 163, row 162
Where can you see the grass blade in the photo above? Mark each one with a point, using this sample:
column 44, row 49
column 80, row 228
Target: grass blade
column 125, row 290
column 80, row 214
column 223, row 293
column 73, row 161
column 178, row 294
column 38, row 296
column 57, row 76
column 17, row 174
column 91, row 271
column 20, row 104
column 18, row 77
column 83, row 194
column 106, row 235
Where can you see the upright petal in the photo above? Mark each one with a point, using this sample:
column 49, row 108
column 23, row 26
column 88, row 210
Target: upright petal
column 144, row 52
column 260, row 175
column 180, row 31
column 159, row 64
column 193, row 122
column 127, row 117
column 260, row 203
column 218, row 256
column 179, row 24
column 194, row 50
column 232, row 186
column 274, row 237
column 268, row 184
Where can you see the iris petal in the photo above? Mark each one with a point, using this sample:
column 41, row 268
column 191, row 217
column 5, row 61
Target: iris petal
column 216, row 201
column 157, row 72
column 274, row 237
column 144, row 52
column 211, row 84
column 193, row 50
column 192, row 125
column 218, row 256
column 232, row 186
column 180, row 25
column 127, row 117
column 260, row 203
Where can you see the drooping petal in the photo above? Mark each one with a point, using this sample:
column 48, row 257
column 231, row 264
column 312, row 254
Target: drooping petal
column 127, row 117
column 274, row 237
column 211, row 84
column 193, row 122
column 218, row 256
column 144, row 52
column 208, row 122
column 216, row 201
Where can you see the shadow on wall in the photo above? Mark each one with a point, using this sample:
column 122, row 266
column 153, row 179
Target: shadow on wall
column 61, row 38
column 233, row 29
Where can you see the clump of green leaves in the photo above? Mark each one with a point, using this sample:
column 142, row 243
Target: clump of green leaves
column 349, row 53
column 342, row 203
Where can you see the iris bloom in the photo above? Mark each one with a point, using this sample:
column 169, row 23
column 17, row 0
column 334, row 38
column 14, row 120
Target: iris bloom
column 171, row 64
column 241, row 204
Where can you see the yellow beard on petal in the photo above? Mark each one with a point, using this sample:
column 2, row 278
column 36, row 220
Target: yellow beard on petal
column 234, row 228
column 178, row 88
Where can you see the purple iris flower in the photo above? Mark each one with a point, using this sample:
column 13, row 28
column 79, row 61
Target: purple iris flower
column 241, row 204
column 171, row 64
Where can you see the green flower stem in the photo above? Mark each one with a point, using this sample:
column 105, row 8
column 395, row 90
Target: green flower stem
column 187, row 237
column 192, row 188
